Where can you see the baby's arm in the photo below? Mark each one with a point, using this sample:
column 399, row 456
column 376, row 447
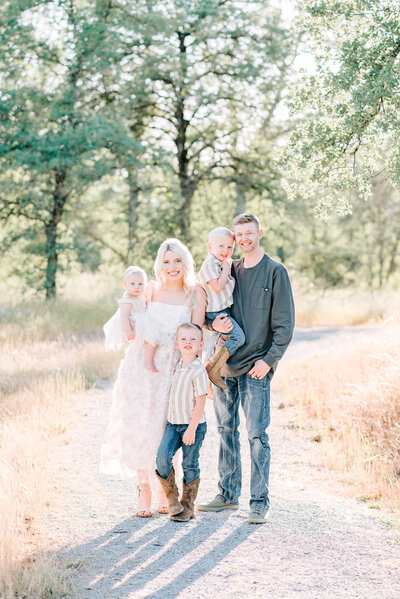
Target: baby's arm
column 219, row 284
column 190, row 433
column 125, row 310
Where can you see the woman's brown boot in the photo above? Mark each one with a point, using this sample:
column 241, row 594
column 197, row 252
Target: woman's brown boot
column 172, row 493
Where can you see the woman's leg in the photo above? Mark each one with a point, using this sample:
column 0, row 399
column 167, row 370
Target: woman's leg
column 162, row 500
column 144, row 499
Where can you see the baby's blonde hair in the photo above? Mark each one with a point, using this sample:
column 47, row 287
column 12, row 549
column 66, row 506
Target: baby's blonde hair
column 179, row 248
column 132, row 270
column 219, row 232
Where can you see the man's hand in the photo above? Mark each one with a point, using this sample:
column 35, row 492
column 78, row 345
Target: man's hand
column 259, row 370
column 189, row 436
column 222, row 324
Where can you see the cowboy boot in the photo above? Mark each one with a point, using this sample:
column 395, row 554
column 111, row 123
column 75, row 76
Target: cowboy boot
column 189, row 495
column 217, row 362
column 171, row 491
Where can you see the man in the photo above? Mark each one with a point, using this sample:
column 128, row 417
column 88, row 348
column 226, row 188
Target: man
column 263, row 307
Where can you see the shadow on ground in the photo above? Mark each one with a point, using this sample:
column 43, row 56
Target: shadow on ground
column 127, row 560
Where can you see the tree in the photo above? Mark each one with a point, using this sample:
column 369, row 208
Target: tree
column 197, row 60
column 352, row 101
column 55, row 141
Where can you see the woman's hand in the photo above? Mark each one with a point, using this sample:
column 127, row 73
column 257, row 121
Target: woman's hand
column 222, row 324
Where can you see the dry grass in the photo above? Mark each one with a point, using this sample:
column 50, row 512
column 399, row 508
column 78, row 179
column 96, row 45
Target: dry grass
column 351, row 402
column 49, row 354
column 342, row 307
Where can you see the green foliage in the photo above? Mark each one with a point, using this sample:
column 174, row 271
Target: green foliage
column 123, row 123
column 350, row 130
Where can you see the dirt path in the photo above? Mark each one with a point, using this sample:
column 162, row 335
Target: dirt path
column 316, row 543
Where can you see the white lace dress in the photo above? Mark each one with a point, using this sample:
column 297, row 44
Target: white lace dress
column 140, row 397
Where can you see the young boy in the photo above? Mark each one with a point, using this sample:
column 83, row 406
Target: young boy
column 186, row 426
column 218, row 283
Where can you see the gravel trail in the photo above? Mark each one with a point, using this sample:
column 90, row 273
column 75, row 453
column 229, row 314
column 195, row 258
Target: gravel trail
column 317, row 543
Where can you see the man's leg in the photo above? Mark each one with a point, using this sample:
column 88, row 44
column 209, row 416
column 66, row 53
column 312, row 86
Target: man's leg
column 255, row 399
column 226, row 405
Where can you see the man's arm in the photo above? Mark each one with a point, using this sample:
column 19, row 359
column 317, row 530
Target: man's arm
column 282, row 316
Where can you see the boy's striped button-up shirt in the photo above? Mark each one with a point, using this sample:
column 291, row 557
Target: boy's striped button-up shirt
column 188, row 382
column 216, row 300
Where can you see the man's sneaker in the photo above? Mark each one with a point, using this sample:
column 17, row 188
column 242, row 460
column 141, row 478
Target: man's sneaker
column 217, row 505
column 258, row 515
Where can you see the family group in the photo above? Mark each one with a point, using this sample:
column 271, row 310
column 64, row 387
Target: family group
column 162, row 385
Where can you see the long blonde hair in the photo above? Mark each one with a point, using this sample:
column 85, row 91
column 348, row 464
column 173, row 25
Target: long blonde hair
column 189, row 280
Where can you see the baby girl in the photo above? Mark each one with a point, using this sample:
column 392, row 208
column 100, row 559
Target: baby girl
column 129, row 321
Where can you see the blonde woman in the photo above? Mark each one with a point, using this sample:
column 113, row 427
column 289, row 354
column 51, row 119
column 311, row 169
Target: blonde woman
column 140, row 397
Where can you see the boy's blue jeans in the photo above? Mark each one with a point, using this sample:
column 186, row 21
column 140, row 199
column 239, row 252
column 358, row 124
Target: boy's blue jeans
column 171, row 442
column 254, row 395
column 236, row 337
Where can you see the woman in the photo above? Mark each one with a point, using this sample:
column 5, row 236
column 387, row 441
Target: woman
column 140, row 397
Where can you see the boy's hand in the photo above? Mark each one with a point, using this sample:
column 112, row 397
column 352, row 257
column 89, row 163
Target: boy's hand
column 189, row 436
column 226, row 266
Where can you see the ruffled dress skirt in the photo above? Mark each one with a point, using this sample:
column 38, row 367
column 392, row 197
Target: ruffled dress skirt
column 140, row 397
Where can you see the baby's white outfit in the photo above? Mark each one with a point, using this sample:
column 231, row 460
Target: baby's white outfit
column 113, row 327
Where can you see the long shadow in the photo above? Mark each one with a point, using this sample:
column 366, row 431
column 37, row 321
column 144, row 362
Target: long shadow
column 203, row 565
column 132, row 554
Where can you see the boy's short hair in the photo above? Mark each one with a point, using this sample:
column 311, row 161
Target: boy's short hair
column 219, row 232
column 191, row 325
column 242, row 219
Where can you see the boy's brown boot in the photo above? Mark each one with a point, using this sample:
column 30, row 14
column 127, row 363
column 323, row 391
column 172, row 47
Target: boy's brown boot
column 189, row 495
column 171, row 491
column 215, row 364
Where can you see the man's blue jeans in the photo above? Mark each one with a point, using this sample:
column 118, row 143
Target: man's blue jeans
column 171, row 442
column 236, row 336
column 254, row 396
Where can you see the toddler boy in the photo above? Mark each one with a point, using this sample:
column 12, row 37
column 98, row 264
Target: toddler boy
column 186, row 426
column 218, row 283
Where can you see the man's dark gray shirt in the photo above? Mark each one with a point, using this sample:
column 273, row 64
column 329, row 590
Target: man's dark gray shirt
column 263, row 306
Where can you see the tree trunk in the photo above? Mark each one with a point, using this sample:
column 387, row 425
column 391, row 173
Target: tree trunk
column 186, row 183
column 393, row 256
column 133, row 205
column 240, row 199
column 59, row 199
